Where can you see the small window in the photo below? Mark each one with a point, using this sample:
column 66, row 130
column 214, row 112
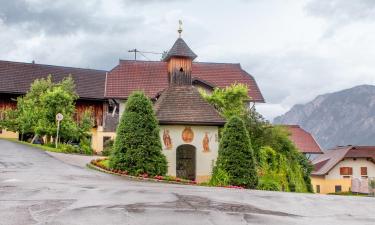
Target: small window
column 1, row 131
column 346, row 171
column 181, row 69
column 317, row 188
column 338, row 188
column 363, row 171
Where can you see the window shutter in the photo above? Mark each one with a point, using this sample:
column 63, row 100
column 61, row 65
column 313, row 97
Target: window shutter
column 363, row 171
column 346, row 171
column 342, row 170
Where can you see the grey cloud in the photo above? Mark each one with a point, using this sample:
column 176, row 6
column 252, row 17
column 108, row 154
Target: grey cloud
column 339, row 13
column 343, row 11
column 61, row 17
column 292, row 76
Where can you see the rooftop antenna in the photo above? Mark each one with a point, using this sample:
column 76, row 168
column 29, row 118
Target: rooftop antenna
column 135, row 53
column 179, row 28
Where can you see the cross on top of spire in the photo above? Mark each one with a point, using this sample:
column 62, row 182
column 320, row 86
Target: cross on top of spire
column 179, row 28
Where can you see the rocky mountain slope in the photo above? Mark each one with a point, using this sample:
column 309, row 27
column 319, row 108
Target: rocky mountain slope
column 340, row 118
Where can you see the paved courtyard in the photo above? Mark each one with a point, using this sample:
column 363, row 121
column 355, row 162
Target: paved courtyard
column 42, row 188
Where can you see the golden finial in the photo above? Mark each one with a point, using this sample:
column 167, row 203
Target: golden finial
column 179, row 28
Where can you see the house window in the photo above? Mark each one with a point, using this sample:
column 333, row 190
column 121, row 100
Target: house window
column 338, row 188
column 317, row 188
column 363, row 171
column 346, row 171
column 1, row 131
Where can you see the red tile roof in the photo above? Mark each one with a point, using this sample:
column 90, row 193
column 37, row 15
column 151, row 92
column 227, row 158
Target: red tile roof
column 184, row 105
column 303, row 140
column 325, row 162
column 152, row 78
column 16, row 77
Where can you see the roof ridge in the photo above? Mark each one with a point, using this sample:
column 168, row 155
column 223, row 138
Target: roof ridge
column 49, row 65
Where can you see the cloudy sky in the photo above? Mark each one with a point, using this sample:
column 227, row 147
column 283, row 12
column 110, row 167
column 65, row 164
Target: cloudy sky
column 295, row 49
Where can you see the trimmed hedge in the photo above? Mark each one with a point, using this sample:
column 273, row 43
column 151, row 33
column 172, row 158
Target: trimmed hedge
column 137, row 148
column 236, row 156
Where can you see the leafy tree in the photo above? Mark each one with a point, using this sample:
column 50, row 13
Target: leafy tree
column 36, row 111
column 58, row 99
column 137, row 148
column 229, row 101
column 236, row 155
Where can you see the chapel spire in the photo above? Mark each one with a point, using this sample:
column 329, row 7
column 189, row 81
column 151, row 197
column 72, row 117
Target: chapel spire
column 180, row 58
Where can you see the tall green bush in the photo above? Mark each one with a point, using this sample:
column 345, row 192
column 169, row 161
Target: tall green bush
column 236, row 155
column 137, row 148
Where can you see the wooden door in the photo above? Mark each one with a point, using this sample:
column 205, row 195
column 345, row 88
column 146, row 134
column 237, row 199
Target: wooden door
column 185, row 162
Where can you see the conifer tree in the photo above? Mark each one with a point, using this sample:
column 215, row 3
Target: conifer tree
column 137, row 148
column 236, row 156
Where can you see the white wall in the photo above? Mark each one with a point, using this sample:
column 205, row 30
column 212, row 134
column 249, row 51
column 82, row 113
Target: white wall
column 122, row 108
column 356, row 165
column 204, row 160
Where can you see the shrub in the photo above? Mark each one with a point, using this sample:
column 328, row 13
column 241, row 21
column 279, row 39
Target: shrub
column 66, row 148
column 85, row 146
column 107, row 147
column 268, row 183
column 219, row 178
column 137, row 146
column 236, row 155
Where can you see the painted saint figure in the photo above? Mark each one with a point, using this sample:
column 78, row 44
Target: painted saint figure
column 167, row 139
column 206, row 143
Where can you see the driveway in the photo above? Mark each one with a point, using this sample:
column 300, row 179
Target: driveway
column 38, row 188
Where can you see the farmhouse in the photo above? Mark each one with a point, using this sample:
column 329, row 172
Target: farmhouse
column 335, row 170
column 104, row 92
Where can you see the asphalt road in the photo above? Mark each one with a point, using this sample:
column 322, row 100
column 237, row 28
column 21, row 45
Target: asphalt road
column 38, row 188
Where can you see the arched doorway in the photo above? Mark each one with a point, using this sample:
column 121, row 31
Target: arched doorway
column 185, row 162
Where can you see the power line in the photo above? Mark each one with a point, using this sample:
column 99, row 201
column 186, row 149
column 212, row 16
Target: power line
column 141, row 52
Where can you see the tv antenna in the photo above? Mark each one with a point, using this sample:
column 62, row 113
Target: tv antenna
column 143, row 53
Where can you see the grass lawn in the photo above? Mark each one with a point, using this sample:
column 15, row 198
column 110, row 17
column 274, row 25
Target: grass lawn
column 43, row 147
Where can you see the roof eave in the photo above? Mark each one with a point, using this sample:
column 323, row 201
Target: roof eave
column 213, row 123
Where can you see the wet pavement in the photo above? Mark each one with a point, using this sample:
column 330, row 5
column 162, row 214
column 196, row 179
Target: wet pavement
column 41, row 188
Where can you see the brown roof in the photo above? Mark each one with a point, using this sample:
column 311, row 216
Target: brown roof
column 303, row 140
column 180, row 49
column 151, row 77
column 325, row 162
column 184, row 105
column 16, row 77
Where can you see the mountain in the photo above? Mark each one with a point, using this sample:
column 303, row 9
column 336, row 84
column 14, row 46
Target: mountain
column 345, row 117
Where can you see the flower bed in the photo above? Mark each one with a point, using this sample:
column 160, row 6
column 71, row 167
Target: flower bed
column 102, row 165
